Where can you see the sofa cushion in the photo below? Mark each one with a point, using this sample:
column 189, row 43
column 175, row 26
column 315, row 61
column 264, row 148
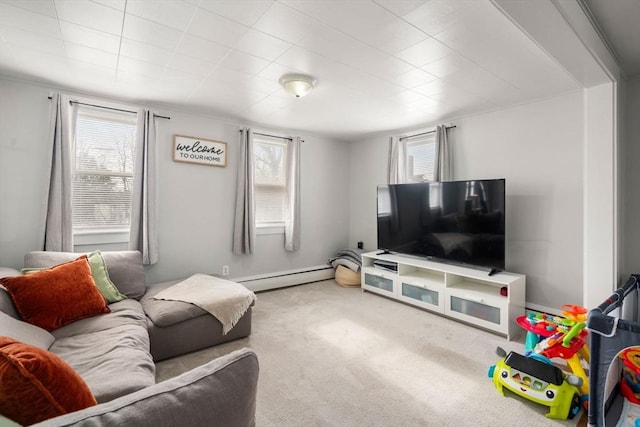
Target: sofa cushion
column 8, row 272
column 36, row 385
column 24, row 332
column 56, row 296
column 165, row 313
column 111, row 352
column 125, row 267
column 6, row 303
column 100, row 275
column 193, row 334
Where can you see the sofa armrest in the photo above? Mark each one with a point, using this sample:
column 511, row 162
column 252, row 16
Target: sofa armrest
column 219, row 393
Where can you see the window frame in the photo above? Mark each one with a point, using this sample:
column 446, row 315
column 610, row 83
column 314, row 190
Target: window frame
column 262, row 137
column 425, row 138
column 105, row 234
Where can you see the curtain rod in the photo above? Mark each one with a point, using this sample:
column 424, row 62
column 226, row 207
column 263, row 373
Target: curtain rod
column 271, row 136
column 425, row 133
column 114, row 109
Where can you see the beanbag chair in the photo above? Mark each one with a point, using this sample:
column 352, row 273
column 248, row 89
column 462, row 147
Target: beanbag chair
column 347, row 277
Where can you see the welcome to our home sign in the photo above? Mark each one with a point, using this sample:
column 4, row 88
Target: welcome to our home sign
column 198, row 150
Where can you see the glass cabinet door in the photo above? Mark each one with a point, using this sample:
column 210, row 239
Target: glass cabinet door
column 421, row 294
column 378, row 282
column 475, row 309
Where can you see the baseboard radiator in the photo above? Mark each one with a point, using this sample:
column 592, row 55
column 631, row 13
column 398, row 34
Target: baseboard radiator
column 537, row 308
column 282, row 279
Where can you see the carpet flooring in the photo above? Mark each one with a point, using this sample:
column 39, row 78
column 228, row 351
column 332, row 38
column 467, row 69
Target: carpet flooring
column 334, row 356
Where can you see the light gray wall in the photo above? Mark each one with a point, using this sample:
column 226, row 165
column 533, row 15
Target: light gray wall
column 631, row 253
column 196, row 202
column 622, row 185
column 197, row 205
column 24, row 128
column 538, row 148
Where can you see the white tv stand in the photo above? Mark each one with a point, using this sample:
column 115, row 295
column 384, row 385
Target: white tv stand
column 466, row 294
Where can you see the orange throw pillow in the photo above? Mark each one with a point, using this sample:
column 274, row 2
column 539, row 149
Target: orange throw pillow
column 56, row 296
column 36, row 385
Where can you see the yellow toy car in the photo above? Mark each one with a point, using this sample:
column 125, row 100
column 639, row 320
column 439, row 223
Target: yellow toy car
column 539, row 382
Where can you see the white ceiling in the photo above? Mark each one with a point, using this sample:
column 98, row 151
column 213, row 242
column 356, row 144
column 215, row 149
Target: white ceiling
column 619, row 20
column 380, row 64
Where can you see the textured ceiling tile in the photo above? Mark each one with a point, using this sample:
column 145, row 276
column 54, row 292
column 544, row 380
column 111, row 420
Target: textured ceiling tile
column 151, row 33
column 190, row 65
column 33, row 41
column 91, row 55
column 424, row 52
column 244, row 62
column 44, row 25
column 262, row 45
column 384, row 64
column 84, row 36
column 246, row 12
column 171, row 13
column 286, row 24
column 90, row 14
column 414, row 78
column 216, row 28
column 200, row 48
column 43, row 7
column 144, row 52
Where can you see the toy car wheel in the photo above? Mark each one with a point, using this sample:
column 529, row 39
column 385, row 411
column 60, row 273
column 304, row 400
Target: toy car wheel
column 575, row 407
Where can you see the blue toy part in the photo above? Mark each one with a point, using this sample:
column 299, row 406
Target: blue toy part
column 530, row 342
column 541, row 358
column 492, row 369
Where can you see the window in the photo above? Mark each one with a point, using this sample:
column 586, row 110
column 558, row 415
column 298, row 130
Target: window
column 421, row 158
column 102, row 171
column 384, row 201
column 270, row 155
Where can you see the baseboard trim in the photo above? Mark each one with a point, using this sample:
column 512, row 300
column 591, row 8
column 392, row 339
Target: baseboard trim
column 283, row 279
column 543, row 309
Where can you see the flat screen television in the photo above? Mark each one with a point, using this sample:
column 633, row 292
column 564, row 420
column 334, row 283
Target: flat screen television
column 454, row 221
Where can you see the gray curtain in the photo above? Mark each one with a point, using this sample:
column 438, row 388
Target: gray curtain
column 444, row 161
column 397, row 168
column 143, row 231
column 58, row 234
column 244, row 230
column 292, row 199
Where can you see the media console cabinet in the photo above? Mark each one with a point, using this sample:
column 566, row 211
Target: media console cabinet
column 463, row 293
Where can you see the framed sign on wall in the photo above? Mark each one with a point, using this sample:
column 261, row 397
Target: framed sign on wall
column 198, row 150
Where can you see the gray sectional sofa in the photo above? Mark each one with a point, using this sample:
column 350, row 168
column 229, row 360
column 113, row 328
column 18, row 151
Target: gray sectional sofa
column 115, row 352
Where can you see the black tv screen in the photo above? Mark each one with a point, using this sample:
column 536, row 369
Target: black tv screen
column 456, row 221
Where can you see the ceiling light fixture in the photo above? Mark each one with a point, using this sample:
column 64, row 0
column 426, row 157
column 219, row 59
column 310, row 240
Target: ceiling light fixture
column 297, row 85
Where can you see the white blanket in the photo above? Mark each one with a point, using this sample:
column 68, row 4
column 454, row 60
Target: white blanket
column 227, row 301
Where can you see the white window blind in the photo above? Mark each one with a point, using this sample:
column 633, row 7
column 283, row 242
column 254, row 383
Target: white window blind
column 103, row 169
column 384, row 201
column 270, row 155
column 421, row 158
